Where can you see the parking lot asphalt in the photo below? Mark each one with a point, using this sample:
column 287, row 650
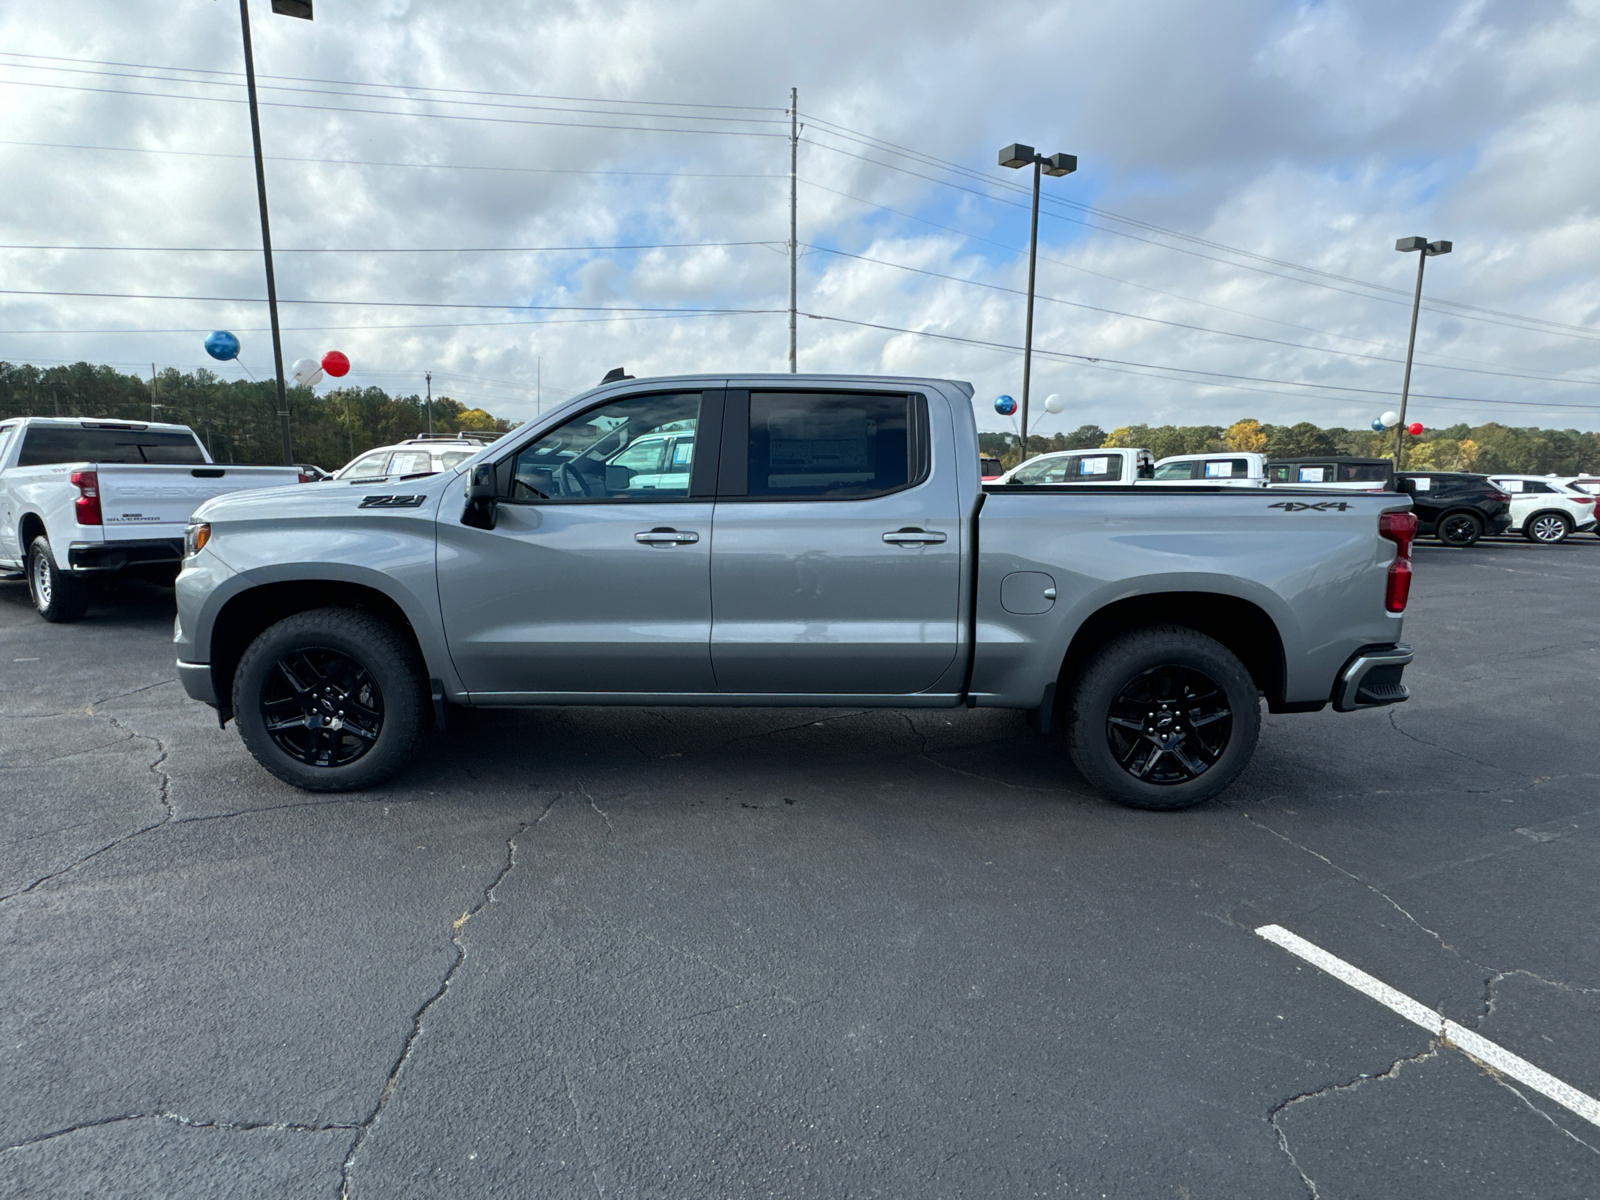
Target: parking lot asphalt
column 836, row 953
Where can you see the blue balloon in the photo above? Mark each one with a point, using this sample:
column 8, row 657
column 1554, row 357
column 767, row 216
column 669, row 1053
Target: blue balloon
column 1005, row 405
column 222, row 345
column 1377, row 425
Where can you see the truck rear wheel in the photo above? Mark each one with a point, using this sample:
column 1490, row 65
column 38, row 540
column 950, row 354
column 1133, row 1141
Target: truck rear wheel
column 1163, row 718
column 331, row 700
column 57, row 595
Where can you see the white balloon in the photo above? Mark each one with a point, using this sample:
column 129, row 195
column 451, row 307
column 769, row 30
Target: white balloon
column 1390, row 419
column 1054, row 403
column 307, row 371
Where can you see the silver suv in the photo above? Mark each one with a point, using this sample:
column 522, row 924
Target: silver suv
column 421, row 455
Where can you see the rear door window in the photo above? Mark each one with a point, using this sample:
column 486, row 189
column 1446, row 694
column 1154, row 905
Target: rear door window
column 831, row 445
column 1226, row 468
column 411, row 462
column 1363, row 473
column 46, row 445
column 1096, row 468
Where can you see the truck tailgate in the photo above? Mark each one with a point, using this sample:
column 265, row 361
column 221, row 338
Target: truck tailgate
column 155, row 501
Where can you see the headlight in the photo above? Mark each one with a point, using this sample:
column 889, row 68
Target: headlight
column 195, row 538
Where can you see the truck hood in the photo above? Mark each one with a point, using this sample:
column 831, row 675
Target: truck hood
column 333, row 497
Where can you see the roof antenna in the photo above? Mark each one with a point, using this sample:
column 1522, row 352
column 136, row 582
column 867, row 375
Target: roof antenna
column 616, row 375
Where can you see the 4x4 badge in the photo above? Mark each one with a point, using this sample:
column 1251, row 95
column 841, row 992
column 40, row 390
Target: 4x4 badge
column 1324, row 506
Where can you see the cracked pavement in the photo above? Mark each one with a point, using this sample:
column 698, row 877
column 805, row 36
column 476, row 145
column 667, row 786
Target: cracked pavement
column 792, row 953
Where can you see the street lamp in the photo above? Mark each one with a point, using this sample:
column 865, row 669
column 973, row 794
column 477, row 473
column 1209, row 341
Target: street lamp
column 1428, row 249
column 1016, row 156
column 287, row 8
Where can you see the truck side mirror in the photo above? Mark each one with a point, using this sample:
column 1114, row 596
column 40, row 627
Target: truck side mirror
column 482, row 508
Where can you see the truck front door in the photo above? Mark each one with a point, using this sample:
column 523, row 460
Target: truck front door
column 596, row 576
column 836, row 546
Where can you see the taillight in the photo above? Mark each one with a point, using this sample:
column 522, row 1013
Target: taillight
column 87, row 504
column 304, row 478
column 1581, row 499
column 1401, row 529
column 1499, row 497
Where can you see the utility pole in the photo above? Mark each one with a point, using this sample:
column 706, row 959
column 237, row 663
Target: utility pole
column 429, row 378
column 794, row 209
column 155, row 408
column 538, row 384
column 266, row 229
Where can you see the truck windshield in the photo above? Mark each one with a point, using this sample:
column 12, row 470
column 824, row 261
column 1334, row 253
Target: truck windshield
column 45, row 445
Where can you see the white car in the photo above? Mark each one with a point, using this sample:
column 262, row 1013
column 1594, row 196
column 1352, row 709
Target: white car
column 415, row 456
column 1229, row 469
column 1545, row 510
column 1108, row 465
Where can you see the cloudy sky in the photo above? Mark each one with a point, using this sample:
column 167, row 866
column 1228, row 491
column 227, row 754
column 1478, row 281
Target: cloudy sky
column 599, row 175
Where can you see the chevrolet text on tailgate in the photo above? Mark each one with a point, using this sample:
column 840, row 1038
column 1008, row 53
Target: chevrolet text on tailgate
column 788, row 540
column 80, row 499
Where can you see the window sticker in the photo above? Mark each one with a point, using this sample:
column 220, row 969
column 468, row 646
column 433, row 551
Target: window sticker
column 1095, row 466
column 1510, row 485
column 1422, row 483
column 1219, row 470
column 1313, row 474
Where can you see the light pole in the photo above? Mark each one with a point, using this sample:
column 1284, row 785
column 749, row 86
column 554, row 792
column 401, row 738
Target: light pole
column 288, row 8
column 1018, row 155
column 1428, row 250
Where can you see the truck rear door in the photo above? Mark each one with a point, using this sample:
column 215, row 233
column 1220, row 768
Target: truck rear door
column 836, row 545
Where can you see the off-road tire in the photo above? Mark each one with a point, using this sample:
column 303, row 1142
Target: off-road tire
column 1460, row 530
column 57, row 595
column 1099, row 693
column 393, row 667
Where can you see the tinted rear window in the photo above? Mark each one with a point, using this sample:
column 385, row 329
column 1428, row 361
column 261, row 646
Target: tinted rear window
column 1364, row 472
column 45, row 445
column 824, row 444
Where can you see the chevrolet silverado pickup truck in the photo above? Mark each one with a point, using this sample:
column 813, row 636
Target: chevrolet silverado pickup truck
column 84, row 498
column 831, row 544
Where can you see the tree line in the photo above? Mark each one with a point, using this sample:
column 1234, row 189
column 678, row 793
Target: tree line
column 1487, row 448
column 237, row 420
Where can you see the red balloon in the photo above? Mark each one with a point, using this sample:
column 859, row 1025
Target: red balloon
column 337, row 364
column 1414, row 429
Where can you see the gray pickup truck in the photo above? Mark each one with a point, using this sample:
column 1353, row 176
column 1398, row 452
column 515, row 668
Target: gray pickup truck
column 788, row 540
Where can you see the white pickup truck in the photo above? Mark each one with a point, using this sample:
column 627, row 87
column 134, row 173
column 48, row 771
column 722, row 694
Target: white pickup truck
column 81, row 498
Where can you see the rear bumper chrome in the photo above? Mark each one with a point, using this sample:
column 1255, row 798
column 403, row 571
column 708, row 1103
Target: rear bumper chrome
column 115, row 556
column 1372, row 678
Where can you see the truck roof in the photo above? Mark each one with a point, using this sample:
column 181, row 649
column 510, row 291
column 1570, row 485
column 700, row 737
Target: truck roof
column 103, row 423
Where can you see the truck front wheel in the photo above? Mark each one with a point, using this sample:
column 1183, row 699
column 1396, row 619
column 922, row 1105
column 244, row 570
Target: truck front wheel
column 331, row 700
column 56, row 594
column 1163, row 718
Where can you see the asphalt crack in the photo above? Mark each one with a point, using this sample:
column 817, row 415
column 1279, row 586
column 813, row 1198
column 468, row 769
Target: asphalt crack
column 163, row 793
column 1434, row 1046
column 418, row 1017
column 177, row 1119
column 1395, row 725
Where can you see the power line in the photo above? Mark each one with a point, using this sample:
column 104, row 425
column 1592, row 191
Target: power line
column 414, row 87
column 398, row 249
column 667, row 316
column 228, row 83
column 391, row 303
column 1219, row 375
column 1195, row 328
column 1058, row 200
column 358, row 162
column 384, row 112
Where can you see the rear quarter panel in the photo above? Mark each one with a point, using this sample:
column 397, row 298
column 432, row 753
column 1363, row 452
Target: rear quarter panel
column 1319, row 574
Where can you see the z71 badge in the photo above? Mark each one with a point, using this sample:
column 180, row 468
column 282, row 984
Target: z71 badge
column 392, row 501
column 1323, row 506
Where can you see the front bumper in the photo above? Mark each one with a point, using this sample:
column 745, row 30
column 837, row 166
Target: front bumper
column 1371, row 679
column 196, row 680
column 105, row 557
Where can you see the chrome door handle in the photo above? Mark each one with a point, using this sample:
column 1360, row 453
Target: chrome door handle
column 914, row 537
column 666, row 537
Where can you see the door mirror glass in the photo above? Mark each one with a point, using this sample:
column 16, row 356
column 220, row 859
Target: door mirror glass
column 622, row 451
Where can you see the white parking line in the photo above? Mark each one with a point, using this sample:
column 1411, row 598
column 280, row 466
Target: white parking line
column 1473, row 1045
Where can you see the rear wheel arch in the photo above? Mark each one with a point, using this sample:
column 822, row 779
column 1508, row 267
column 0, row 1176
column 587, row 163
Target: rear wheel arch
column 30, row 527
column 249, row 614
column 1243, row 628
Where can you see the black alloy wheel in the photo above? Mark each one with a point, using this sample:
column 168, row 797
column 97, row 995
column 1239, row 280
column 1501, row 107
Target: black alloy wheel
column 321, row 707
column 1169, row 725
column 1460, row 530
column 332, row 699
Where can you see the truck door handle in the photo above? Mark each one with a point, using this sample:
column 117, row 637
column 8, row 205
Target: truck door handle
column 914, row 537
column 666, row 537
